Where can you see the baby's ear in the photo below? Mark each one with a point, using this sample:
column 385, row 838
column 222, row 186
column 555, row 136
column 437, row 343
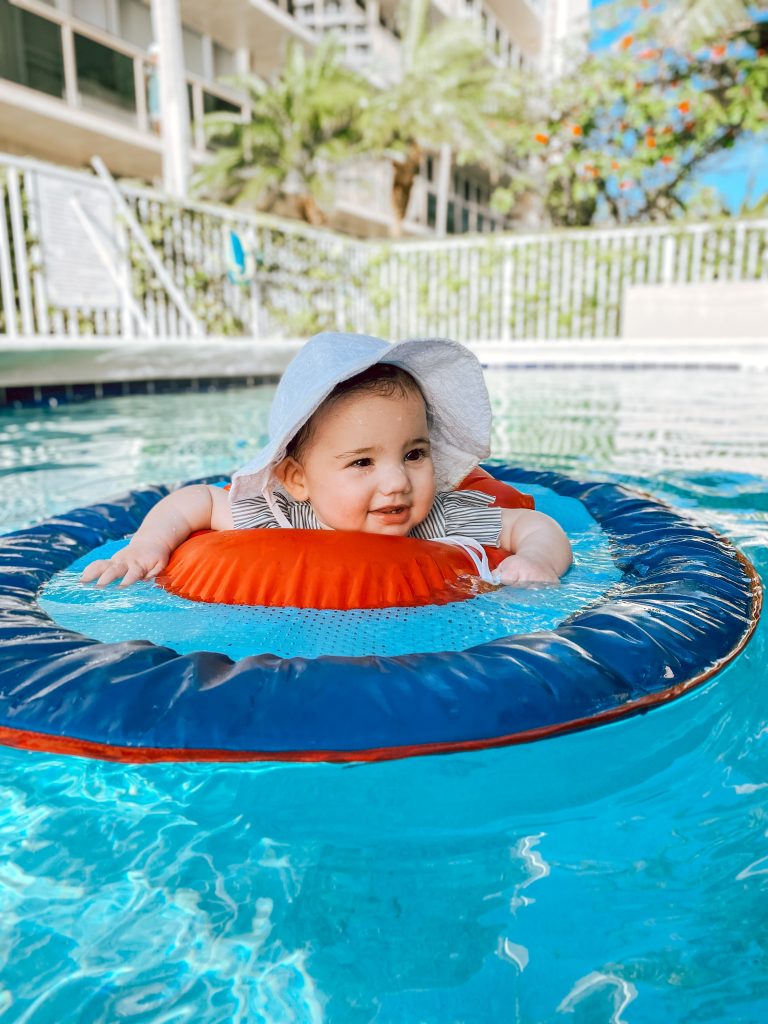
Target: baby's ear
column 291, row 475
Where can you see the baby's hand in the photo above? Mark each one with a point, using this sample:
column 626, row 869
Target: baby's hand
column 519, row 569
column 139, row 561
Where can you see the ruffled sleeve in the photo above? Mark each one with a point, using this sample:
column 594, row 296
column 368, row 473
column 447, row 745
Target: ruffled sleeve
column 255, row 514
column 464, row 514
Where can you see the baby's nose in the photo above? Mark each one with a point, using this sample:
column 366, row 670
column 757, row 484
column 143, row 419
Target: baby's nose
column 394, row 480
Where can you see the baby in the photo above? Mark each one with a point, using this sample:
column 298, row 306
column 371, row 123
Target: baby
column 368, row 436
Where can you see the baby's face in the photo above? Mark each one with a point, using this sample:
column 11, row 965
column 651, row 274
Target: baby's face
column 367, row 465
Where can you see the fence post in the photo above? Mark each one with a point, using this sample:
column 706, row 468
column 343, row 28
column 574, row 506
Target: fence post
column 668, row 260
column 20, row 251
column 6, row 274
column 506, row 294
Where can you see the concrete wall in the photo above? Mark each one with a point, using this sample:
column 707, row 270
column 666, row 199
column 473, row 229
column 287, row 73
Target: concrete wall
column 713, row 310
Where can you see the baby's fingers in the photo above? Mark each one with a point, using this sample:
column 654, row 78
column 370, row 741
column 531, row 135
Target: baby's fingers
column 157, row 568
column 134, row 573
column 95, row 570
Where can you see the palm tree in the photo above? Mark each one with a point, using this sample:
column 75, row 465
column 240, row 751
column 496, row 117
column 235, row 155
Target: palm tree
column 303, row 123
column 448, row 93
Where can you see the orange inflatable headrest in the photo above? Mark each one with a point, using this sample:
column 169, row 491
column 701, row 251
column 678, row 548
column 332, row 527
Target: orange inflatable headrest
column 320, row 569
column 330, row 569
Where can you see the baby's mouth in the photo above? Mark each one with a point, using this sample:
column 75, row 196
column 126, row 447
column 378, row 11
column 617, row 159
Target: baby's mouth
column 390, row 510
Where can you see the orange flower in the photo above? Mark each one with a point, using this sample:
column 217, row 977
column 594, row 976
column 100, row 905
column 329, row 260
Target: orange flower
column 684, row 107
column 541, row 137
column 624, row 185
column 648, row 54
column 615, row 165
column 650, row 142
column 667, row 159
column 626, row 42
column 667, row 130
column 718, row 52
column 645, row 4
column 576, row 129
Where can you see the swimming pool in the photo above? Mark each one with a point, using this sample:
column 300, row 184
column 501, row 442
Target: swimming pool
column 618, row 874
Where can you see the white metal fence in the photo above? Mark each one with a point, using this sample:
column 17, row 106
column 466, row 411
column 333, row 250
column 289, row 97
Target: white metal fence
column 294, row 280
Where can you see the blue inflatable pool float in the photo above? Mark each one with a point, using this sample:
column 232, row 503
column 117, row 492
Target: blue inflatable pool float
column 687, row 604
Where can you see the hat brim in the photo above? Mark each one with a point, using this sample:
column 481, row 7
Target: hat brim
column 449, row 375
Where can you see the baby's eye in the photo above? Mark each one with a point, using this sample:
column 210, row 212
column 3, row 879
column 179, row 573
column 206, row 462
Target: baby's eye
column 416, row 454
column 362, row 463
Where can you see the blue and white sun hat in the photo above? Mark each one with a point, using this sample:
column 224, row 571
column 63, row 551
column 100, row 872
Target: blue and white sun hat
column 448, row 374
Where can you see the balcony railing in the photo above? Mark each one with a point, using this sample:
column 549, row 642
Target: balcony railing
column 89, row 69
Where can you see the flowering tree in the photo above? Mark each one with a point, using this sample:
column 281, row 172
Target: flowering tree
column 623, row 133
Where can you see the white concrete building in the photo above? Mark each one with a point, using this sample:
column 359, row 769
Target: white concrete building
column 85, row 77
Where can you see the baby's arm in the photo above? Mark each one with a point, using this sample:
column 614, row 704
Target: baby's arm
column 542, row 552
column 197, row 507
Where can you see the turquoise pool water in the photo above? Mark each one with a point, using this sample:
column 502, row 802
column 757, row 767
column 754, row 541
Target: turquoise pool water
column 615, row 875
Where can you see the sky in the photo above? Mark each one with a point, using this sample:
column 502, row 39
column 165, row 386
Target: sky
column 739, row 174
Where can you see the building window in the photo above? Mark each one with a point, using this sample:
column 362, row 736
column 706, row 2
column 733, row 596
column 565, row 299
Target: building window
column 192, row 43
column 30, row 50
column 430, row 168
column 480, row 222
column 450, row 225
column 431, row 209
column 135, row 23
column 467, row 188
column 104, row 78
column 464, row 220
column 223, row 61
column 215, row 104
column 94, row 12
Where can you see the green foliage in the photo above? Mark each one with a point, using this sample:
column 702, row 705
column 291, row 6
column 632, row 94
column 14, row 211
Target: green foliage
column 304, row 122
column 621, row 135
column 447, row 93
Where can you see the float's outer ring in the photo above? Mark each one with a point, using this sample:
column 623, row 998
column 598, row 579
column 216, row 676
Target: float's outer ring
column 688, row 604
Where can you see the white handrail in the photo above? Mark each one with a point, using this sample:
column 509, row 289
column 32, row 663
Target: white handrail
column 146, row 246
column 101, row 250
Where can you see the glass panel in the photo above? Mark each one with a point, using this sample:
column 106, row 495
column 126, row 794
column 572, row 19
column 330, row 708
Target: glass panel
column 223, row 61
column 480, row 222
column 93, row 11
column 465, row 220
column 135, row 23
column 104, row 78
column 192, row 43
column 431, row 209
column 430, row 168
column 214, row 104
column 30, row 50
column 451, row 219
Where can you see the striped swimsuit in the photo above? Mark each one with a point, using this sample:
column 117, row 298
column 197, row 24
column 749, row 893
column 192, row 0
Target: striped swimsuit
column 453, row 513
